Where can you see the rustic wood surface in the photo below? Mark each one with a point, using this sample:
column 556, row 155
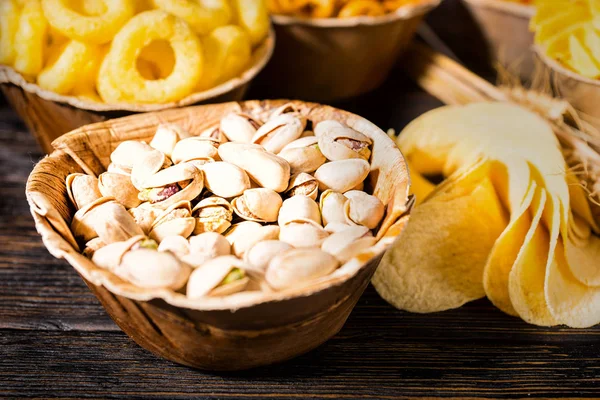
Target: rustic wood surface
column 57, row 342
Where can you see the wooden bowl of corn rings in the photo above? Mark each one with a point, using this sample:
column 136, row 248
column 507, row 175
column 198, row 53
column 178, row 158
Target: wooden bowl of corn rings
column 67, row 64
column 505, row 26
column 338, row 49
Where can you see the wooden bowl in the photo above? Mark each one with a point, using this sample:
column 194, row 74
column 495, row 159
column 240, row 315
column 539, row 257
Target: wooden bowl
column 331, row 59
column 505, row 26
column 235, row 332
column 581, row 92
column 48, row 115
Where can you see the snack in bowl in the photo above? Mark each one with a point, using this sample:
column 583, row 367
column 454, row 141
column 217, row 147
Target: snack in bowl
column 508, row 222
column 337, row 8
column 118, row 52
column 245, row 257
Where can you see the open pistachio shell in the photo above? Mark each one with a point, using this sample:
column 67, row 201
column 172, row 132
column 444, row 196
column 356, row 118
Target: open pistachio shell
column 363, row 209
column 144, row 215
column 261, row 205
column 214, row 133
column 243, row 237
column 303, row 234
column 334, row 227
column 225, row 179
column 299, row 208
column 349, row 242
column 239, row 128
column 109, row 256
column 206, row 246
column 210, row 278
column 304, row 141
column 180, row 182
column 259, row 255
column 120, row 187
column 128, row 153
column 291, row 109
column 340, row 142
column 176, row 244
column 298, row 266
column 114, row 168
column 106, row 219
column 152, row 269
column 152, row 162
column 213, row 214
column 279, row 131
column 175, row 220
column 167, row 136
column 266, row 169
column 82, row 189
column 303, row 184
column 342, row 175
column 193, row 148
column 332, row 207
column 303, row 159
column 92, row 246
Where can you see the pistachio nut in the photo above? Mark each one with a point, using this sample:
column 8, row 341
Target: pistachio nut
column 340, row 142
column 363, row 209
column 193, row 148
column 109, row 256
column 342, row 175
column 259, row 255
column 303, row 155
column 266, row 169
column 128, row 153
column 167, row 136
column 261, row 205
column 175, row 220
column 220, row 276
column 299, row 266
column 246, row 234
column 299, row 208
column 120, row 187
column 180, row 182
column 238, row 127
column 303, row 184
column 117, row 169
column 279, row 131
column 349, row 242
column 144, row 215
column 106, row 219
column 150, row 164
column 290, row 109
column 214, row 133
column 152, row 269
column 213, row 214
column 334, row 227
column 82, row 189
column 176, row 244
column 204, row 247
column 92, row 246
column 332, row 207
column 303, row 234
column 199, row 162
column 225, row 179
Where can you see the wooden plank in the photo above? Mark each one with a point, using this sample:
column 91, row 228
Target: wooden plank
column 355, row 365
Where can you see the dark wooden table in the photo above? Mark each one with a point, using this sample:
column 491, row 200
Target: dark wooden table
column 57, row 342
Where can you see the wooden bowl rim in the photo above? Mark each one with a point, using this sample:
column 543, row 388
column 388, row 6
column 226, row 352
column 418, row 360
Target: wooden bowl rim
column 261, row 56
column 557, row 67
column 518, row 10
column 401, row 14
column 59, row 247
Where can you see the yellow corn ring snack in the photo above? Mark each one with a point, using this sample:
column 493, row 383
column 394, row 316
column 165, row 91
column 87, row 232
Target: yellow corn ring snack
column 30, row 39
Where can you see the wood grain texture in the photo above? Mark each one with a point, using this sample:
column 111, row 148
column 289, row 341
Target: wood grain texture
column 56, row 341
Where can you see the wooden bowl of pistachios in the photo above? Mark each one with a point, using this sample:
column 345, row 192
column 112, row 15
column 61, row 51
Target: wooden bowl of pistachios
column 227, row 236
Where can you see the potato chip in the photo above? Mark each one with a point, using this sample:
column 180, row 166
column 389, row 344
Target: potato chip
column 420, row 187
column 30, row 39
column 9, row 24
column 571, row 302
column 505, row 253
column 437, row 262
column 527, row 276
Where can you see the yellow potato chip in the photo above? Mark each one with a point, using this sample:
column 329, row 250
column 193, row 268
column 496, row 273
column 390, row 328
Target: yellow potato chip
column 505, row 253
column 437, row 264
column 527, row 276
column 419, row 185
column 571, row 302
